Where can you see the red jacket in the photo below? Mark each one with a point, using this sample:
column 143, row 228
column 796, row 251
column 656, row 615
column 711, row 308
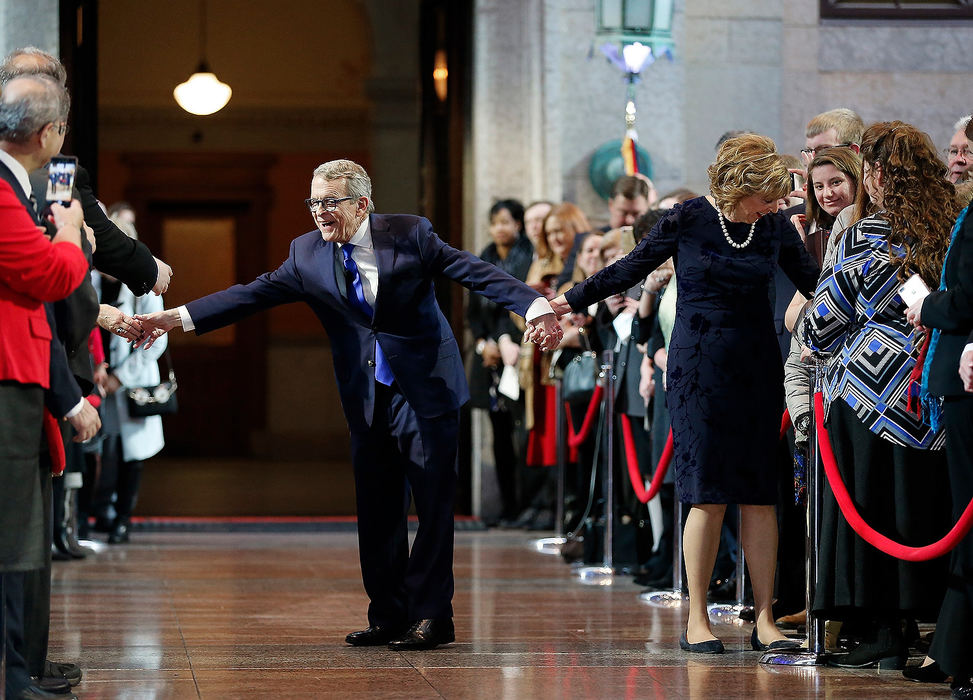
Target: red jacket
column 32, row 271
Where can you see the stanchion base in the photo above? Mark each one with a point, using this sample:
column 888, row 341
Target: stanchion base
column 663, row 599
column 596, row 575
column 794, row 657
column 95, row 546
column 548, row 545
column 726, row 613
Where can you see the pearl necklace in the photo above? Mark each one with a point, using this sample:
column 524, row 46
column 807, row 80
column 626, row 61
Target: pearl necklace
column 726, row 234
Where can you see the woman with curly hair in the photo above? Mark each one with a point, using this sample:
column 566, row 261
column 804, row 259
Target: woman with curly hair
column 889, row 459
column 724, row 375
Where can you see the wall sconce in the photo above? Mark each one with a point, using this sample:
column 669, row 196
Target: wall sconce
column 440, row 74
column 202, row 93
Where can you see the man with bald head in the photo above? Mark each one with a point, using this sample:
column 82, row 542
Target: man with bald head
column 116, row 254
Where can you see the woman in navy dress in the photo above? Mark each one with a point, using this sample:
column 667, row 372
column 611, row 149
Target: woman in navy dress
column 724, row 375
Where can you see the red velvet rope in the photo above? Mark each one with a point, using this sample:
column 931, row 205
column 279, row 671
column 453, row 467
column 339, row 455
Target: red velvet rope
column 785, row 423
column 858, row 524
column 575, row 439
column 633, row 464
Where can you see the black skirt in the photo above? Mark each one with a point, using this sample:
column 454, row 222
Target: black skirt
column 903, row 493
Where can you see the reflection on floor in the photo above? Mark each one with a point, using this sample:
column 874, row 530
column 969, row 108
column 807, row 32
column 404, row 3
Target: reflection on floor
column 241, row 615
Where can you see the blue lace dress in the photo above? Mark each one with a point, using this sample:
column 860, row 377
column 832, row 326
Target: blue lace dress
column 724, row 377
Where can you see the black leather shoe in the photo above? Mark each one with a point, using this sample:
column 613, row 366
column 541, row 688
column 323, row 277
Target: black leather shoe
column 425, row 634
column 779, row 645
column 118, row 534
column 63, row 669
column 59, row 686
column 962, row 691
column 930, row 673
column 374, row 636
column 711, row 646
column 885, row 649
column 34, row 692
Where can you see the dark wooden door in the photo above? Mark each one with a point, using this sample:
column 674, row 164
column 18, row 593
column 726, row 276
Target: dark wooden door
column 206, row 216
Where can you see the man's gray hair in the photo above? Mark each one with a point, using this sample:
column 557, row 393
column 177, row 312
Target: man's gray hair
column 357, row 182
column 24, row 115
column 31, row 60
column 961, row 124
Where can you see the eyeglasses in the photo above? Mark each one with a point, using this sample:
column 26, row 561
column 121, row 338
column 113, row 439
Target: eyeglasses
column 329, row 204
column 810, row 152
column 953, row 152
column 62, row 128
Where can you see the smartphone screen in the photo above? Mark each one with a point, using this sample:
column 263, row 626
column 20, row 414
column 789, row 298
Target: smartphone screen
column 60, row 179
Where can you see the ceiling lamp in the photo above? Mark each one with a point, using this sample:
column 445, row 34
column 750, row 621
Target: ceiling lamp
column 203, row 93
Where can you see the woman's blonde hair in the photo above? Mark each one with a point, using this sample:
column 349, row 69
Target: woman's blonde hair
column 747, row 165
column 571, row 218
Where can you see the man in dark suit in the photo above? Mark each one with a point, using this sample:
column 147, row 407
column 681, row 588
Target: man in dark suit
column 369, row 278
column 33, row 270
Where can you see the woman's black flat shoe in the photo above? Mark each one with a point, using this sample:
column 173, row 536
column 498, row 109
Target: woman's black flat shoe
column 930, row 673
column 779, row 645
column 712, row 646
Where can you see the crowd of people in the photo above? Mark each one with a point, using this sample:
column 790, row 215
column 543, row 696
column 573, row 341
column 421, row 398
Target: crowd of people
column 719, row 310
column 691, row 293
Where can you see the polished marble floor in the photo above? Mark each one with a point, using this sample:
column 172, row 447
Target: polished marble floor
column 217, row 616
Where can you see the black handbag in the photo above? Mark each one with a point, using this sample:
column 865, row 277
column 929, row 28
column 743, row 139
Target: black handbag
column 580, row 375
column 157, row 400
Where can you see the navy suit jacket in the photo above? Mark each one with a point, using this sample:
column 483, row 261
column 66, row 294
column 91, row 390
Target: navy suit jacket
column 408, row 323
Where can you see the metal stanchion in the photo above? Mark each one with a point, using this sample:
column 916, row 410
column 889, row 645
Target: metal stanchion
column 675, row 597
column 604, row 575
column 815, row 653
column 729, row 613
column 552, row 545
column 3, row 641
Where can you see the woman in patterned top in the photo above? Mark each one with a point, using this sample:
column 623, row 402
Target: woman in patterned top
column 890, row 461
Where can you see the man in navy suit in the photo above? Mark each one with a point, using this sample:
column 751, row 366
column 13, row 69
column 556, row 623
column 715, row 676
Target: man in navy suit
column 369, row 279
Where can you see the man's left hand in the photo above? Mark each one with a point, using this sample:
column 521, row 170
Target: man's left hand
column 545, row 331
column 966, row 369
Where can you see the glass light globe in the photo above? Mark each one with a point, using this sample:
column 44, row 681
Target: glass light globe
column 635, row 56
column 202, row 94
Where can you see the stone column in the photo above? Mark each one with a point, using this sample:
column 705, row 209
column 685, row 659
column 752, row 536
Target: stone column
column 33, row 23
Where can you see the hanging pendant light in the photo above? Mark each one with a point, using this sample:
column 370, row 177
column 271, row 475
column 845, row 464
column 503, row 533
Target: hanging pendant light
column 202, row 93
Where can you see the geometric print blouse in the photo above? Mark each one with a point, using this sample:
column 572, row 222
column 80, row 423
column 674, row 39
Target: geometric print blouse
column 859, row 317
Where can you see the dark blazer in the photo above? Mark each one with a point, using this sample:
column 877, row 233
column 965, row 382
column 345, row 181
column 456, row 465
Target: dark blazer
column 951, row 311
column 120, row 256
column 408, row 323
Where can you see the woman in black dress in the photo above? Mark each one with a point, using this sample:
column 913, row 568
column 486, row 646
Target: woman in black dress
column 724, row 374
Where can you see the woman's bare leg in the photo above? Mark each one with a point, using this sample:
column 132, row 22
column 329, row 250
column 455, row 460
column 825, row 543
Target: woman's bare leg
column 701, row 540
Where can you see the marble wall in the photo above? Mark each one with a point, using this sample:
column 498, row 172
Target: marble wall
column 544, row 98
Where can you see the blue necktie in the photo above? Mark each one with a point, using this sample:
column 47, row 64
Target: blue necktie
column 356, row 297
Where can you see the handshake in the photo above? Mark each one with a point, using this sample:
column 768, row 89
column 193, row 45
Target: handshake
column 545, row 331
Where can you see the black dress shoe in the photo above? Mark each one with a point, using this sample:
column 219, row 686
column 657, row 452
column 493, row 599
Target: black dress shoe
column 930, row 673
column 118, row 534
column 425, row 634
column 710, row 646
column 885, row 649
column 59, row 686
column 34, row 692
column 374, row 636
column 963, row 690
column 63, row 669
column 778, row 645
